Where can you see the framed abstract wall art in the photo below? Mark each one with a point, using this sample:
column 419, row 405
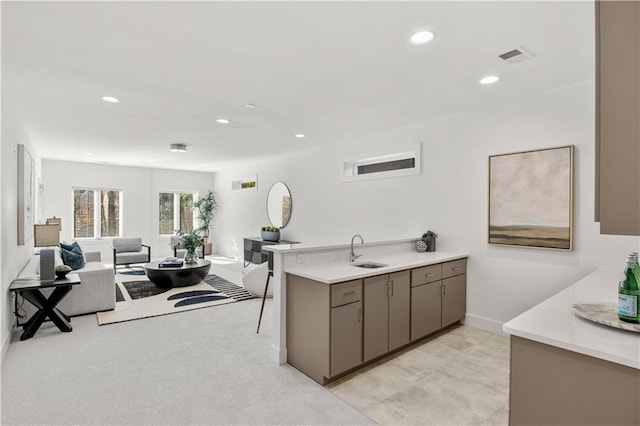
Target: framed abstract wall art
column 531, row 198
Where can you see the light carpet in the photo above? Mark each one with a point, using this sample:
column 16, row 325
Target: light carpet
column 215, row 291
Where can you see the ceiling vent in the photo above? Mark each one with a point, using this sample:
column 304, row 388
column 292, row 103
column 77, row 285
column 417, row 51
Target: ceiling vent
column 516, row 55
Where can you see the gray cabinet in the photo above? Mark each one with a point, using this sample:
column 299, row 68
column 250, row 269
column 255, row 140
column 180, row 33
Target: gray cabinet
column 617, row 117
column 376, row 316
column 399, row 309
column 454, row 299
column 386, row 313
column 324, row 326
column 438, row 297
column 426, row 309
column 334, row 328
column 346, row 326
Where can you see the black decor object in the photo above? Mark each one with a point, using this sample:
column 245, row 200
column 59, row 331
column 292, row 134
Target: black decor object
column 430, row 240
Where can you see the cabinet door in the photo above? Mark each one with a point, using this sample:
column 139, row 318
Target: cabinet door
column 426, row 310
column 454, row 299
column 399, row 309
column 346, row 337
column 376, row 317
column 618, row 117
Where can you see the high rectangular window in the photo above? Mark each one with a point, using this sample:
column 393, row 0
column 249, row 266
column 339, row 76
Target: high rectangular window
column 391, row 162
column 96, row 213
column 175, row 212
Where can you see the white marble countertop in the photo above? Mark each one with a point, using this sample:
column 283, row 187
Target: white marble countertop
column 553, row 322
column 335, row 272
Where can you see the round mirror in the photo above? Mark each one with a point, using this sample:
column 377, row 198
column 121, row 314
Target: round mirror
column 279, row 205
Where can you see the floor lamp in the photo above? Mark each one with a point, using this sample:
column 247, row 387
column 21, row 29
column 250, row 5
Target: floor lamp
column 47, row 236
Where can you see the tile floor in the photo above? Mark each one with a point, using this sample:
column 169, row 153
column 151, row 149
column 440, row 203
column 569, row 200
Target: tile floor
column 459, row 377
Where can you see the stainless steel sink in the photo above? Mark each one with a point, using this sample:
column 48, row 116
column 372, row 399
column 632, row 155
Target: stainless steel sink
column 369, row 265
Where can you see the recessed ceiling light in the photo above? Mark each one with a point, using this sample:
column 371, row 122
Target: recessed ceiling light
column 490, row 79
column 223, row 121
column 251, row 106
column 177, row 147
column 110, row 99
column 88, row 153
column 422, row 37
column 300, row 135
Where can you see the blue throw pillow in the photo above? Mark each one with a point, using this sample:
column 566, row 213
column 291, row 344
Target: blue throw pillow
column 74, row 260
column 73, row 247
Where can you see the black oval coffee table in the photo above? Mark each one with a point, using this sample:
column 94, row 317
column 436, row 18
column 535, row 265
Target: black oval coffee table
column 183, row 276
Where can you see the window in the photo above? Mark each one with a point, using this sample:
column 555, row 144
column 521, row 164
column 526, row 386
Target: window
column 175, row 212
column 96, row 213
column 392, row 162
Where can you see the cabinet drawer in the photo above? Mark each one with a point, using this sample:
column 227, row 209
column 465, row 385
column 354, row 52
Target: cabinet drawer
column 456, row 267
column 347, row 292
column 426, row 274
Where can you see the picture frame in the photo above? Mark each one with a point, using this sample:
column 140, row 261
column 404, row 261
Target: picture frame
column 26, row 195
column 531, row 198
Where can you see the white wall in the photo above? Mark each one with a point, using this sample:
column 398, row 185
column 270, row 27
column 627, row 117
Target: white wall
column 140, row 188
column 12, row 256
column 450, row 197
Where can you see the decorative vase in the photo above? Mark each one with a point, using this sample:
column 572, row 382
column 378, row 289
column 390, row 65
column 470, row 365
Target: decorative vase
column 270, row 236
column 190, row 256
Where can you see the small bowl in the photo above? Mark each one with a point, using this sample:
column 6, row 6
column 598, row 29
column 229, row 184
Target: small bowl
column 61, row 274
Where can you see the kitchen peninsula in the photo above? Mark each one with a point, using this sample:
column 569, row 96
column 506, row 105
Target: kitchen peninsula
column 321, row 280
column 568, row 370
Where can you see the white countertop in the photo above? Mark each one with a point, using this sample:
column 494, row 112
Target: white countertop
column 309, row 247
column 335, row 272
column 553, row 322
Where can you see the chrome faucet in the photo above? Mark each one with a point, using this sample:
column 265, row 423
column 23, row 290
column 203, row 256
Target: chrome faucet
column 353, row 255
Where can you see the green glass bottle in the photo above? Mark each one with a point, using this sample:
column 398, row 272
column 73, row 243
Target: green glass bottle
column 629, row 291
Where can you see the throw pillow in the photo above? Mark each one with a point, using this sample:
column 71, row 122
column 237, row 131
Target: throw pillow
column 74, row 260
column 74, row 247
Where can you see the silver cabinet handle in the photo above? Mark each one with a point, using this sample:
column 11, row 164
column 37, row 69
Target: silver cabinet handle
column 444, row 290
column 360, row 315
column 457, row 268
column 429, row 275
column 391, row 282
column 348, row 293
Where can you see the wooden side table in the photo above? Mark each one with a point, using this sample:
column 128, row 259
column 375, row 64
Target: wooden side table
column 31, row 290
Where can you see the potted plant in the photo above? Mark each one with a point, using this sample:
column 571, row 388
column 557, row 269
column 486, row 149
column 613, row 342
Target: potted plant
column 270, row 233
column 206, row 206
column 190, row 242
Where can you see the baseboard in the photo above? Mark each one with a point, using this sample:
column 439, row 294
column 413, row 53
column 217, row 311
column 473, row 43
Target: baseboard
column 278, row 356
column 484, row 323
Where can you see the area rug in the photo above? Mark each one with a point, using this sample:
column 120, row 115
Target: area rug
column 139, row 298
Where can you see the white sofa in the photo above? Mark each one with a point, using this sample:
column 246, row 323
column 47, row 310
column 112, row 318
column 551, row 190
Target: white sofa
column 95, row 293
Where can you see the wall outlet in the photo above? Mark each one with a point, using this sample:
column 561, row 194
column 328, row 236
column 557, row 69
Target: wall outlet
column 303, row 258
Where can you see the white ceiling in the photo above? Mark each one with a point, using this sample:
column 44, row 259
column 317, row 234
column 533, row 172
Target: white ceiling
column 336, row 71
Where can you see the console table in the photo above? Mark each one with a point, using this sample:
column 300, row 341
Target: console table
column 31, row 290
column 253, row 250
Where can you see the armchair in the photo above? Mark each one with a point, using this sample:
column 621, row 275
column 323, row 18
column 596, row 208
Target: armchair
column 130, row 250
